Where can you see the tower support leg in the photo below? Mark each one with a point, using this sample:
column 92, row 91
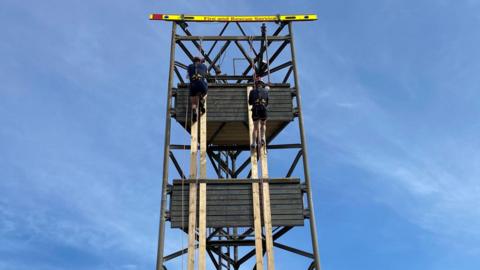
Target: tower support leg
column 306, row 171
column 166, row 151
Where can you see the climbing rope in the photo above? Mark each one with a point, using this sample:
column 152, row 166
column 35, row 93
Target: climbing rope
column 252, row 63
column 201, row 48
column 268, row 58
column 220, row 63
column 269, row 82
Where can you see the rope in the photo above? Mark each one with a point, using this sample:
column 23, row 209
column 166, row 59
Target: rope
column 201, row 47
column 269, row 82
column 252, row 63
column 223, row 58
column 268, row 58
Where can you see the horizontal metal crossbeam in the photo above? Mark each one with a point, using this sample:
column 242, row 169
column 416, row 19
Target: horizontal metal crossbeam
column 237, row 147
column 232, row 38
column 237, row 180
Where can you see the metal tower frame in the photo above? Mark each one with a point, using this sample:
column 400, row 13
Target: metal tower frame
column 224, row 158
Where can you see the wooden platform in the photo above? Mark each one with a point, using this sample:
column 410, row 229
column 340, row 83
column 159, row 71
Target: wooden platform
column 230, row 203
column 227, row 113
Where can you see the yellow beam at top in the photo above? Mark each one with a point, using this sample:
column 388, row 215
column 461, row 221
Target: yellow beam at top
column 227, row 18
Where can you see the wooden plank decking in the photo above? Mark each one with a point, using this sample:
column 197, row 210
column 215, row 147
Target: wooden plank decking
column 230, row 203
column 228, row 116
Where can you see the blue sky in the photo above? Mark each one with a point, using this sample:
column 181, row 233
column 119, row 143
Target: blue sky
column 391, row 102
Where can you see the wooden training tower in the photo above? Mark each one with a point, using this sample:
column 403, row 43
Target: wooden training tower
column 237, row 214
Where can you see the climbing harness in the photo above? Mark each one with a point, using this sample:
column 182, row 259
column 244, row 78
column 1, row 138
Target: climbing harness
column 261, row 100
column 196, row 76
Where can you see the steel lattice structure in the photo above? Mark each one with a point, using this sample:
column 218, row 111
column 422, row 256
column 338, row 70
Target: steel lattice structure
column 231, row 248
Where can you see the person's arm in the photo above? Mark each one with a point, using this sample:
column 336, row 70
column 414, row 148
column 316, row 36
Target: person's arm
column 250, row 98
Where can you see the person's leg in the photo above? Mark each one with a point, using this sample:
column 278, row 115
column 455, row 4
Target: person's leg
column 194, row 100
column 194, row 103
column 202, row 102
column 202, row 92
column 255, row 133
column 194, row 93
column 263, row 127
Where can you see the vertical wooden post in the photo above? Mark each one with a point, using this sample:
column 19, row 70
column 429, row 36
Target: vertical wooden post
column 267, row 215
column 202, row 211
column 257, row 219
column 192, row 209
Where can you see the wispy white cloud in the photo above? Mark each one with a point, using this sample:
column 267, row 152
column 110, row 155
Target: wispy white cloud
column 430, row 179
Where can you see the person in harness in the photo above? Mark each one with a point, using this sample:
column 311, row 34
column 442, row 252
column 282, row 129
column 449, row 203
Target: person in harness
column 197, row 73
column 258, row 98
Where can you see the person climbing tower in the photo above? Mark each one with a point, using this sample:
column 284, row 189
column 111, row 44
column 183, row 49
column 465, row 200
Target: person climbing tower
column 258, row 99
column 197, row 73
